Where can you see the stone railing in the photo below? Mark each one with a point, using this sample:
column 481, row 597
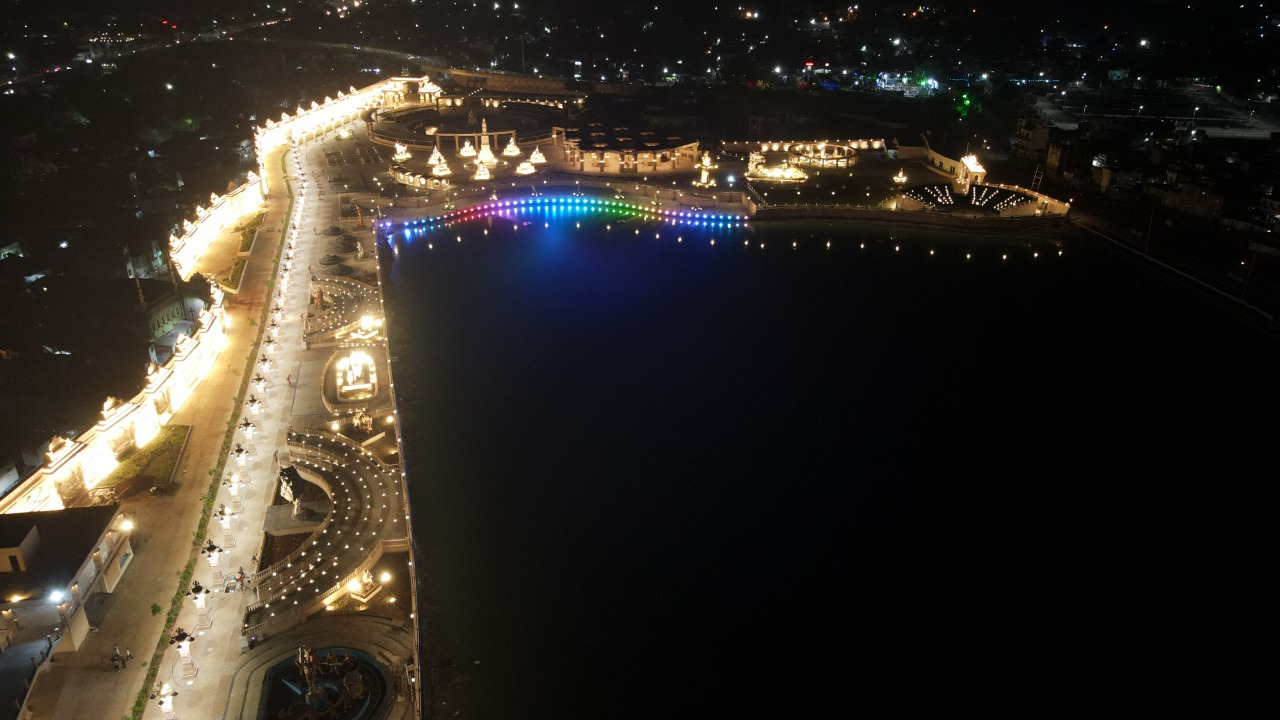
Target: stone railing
column 747, row 146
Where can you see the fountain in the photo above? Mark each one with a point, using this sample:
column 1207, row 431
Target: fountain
column 468, row 150
column 335, row 683
column 436, row 158
column 511, row 150
column 525, row 168
column 402, row 154
column 357, row 379
column 536, row 157
column 441, row 169
column 482, row 173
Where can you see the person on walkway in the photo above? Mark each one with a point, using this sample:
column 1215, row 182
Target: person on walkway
column 115, row 662
column 289, row 379
column 127, row 654
column 115, row 650
column 275, row 460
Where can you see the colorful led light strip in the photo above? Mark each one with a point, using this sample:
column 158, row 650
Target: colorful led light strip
column 575, row 203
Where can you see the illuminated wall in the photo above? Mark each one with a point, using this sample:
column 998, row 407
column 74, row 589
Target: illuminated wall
column 74, row 467
column 305, row 124
column 312, row 122
column 223, row 211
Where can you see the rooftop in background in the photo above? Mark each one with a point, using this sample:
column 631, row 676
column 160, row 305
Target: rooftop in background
column 67, row 537
column 636, row 135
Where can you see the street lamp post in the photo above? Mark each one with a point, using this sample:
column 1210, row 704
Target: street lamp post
column 233, row 484
column 1140, row 110
column 224, row 517
column 198, row 594
column 212, row 552
column 164, row 695
column 183, row 641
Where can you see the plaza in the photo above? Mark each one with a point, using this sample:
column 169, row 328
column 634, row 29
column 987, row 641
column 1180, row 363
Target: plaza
column 303, row 531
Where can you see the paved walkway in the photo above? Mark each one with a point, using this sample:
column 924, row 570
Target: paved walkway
column 261, row 612
column 75, row 687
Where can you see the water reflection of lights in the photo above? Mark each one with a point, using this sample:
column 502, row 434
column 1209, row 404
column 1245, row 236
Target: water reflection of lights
column 576, row 207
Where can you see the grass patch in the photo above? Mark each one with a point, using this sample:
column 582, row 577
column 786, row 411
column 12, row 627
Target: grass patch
column 237, row 272
column 253, row 222
column 246, row 239
column 157, row 459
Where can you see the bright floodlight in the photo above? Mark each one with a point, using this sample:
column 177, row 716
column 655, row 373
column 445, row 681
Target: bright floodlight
column 127, row 525
column 56, row 596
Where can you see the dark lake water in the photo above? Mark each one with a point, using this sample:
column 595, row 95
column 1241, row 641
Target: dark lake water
column 654, row 478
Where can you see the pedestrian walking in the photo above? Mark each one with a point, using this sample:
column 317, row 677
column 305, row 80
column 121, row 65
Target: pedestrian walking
column 253, row 560
column 115, row 650
column 289, row 379
column 127, row 654
column 115, row 662
column 275, row 458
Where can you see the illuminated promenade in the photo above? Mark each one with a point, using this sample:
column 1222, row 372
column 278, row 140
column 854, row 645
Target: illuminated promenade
column 358, row 524
column 301, row 380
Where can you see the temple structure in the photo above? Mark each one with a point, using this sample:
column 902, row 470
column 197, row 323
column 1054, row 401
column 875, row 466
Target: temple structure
column 485, row 157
